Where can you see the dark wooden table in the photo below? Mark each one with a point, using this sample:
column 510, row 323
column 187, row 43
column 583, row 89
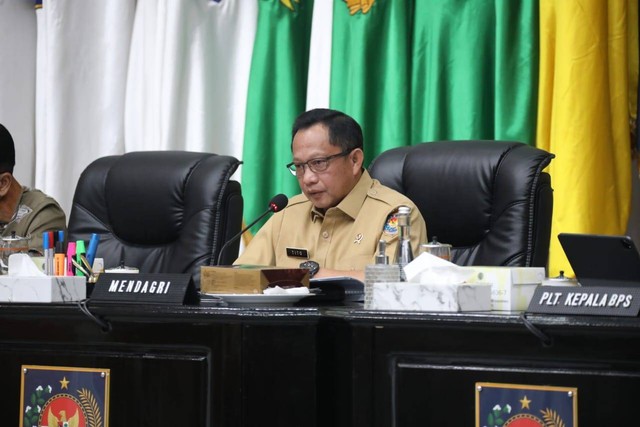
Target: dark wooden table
column 173, row 366
column 319, row 366
column 420, row 369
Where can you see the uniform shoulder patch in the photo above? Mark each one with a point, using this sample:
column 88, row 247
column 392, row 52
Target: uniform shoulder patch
column 23, row 210
column 391, row 225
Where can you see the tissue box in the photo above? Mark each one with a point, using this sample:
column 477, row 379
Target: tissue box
column 430, row 297
column 42, row 289
column 513, row 287
column 242, row 279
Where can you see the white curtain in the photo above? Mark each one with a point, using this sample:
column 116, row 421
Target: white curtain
column 122, row 75
column 82, row 57
column 320, row 55
column 17, row 82
column 188, row 75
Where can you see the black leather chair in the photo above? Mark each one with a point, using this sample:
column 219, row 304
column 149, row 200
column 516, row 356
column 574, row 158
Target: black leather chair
column 489, row 199
column 159, row 211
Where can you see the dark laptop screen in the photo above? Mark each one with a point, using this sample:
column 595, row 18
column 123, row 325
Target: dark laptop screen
column 599, row 260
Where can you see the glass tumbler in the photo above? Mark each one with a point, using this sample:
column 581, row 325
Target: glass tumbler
column 435, row 248
column 11, row 245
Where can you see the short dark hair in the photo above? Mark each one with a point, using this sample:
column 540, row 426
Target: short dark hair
column 344, row 131
column 7, row 151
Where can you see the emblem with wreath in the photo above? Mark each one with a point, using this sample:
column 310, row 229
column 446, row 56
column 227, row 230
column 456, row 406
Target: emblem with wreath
column 500, row 417
column 41, row 401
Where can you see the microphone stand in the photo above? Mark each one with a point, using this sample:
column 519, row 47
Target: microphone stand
column 234, row 238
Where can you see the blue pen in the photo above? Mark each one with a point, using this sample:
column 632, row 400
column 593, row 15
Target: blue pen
column 46, row 252
column 93, row 247
column 60, row 239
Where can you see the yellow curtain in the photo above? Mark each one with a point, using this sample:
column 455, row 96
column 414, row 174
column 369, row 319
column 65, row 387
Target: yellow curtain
column 587, row 77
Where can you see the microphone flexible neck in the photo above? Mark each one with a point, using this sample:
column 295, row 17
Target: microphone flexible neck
column 237, row 236
column 276, row 204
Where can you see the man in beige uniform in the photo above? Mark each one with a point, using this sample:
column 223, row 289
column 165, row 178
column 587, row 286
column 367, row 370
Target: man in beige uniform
column 342, row 213
column 23, row 210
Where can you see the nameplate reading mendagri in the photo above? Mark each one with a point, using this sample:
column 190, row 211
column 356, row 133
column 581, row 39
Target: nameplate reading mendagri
column 591, row 300
column 144, row 289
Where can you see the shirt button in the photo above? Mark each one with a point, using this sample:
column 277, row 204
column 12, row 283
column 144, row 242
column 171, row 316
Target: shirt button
column 325, row 235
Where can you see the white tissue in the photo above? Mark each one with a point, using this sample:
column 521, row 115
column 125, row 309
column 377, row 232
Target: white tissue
column 430, row 269
column 277, row 290
column 21, row 265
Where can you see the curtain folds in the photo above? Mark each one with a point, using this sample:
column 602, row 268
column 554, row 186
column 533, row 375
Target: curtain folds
column 230, row 76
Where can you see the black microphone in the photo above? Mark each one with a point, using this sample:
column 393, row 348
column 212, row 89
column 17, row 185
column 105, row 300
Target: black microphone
column 277, row 203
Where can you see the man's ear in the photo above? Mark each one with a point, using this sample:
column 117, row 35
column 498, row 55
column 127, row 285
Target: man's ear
column 357, row 157
column 5, row 183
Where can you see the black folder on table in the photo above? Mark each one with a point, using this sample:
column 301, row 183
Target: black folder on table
column 602, row 260
column 337, row 289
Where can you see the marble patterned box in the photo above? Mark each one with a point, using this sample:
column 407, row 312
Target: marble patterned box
column 42, row 289
column 431, row 297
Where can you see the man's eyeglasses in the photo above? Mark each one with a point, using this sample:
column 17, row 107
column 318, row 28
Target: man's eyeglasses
column 316, row 165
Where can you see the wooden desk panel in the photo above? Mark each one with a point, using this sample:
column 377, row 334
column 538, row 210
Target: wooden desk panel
column 186, row 366
column 420, row 369
column 319, row 366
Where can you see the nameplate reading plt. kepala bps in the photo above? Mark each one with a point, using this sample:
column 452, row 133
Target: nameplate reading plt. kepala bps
column 592, row 300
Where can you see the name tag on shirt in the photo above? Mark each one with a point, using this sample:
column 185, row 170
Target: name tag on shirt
column 298, row 253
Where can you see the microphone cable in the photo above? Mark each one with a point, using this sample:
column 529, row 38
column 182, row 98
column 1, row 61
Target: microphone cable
column 276, row 204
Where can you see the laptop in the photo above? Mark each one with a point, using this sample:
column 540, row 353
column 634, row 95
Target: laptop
column 602, row 260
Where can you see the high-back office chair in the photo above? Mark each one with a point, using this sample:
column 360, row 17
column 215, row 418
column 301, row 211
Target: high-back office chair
column 159, row 211
column 489, row 199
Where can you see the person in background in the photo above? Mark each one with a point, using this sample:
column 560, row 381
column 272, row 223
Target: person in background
column 25, row 211
column 334, row 226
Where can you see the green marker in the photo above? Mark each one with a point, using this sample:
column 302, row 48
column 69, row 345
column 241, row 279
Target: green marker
column 80, row 251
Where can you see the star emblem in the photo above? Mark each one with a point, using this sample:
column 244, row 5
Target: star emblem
column 525, row 402
column 64, row 383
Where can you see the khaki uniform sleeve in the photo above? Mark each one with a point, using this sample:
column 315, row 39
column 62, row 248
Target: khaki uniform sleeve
column 46, row 216
column 49, row 218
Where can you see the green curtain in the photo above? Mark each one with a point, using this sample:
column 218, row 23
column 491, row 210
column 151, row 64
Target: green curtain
column 416, row 71
column 371, row 71
column 276, row 95
column 408, row 71
column 475, row 70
